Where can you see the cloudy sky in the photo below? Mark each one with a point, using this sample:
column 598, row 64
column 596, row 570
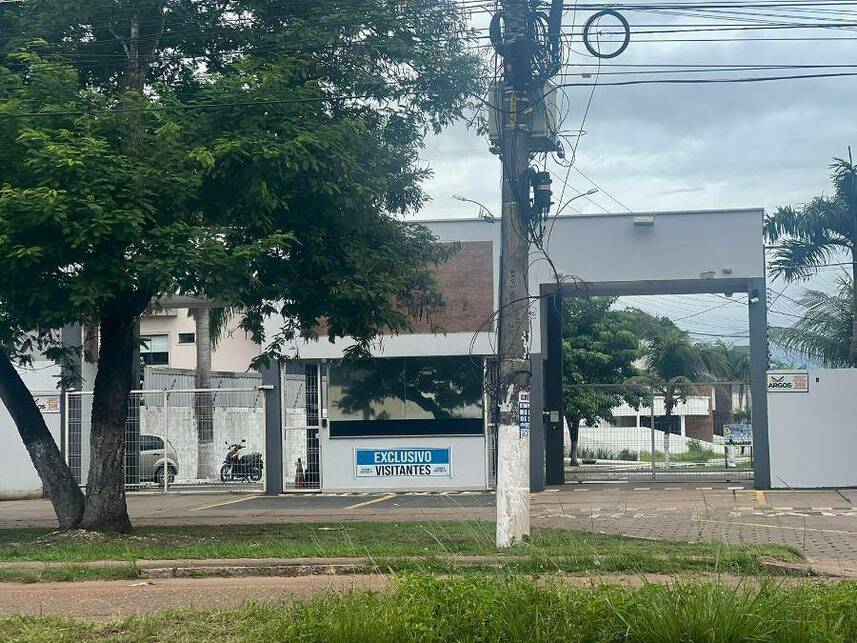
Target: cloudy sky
column 699, row 146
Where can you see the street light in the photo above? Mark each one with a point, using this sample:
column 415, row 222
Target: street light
column 574, row 198
column 484, row 213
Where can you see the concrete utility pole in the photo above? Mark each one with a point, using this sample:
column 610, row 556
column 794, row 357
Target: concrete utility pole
column 513, row 433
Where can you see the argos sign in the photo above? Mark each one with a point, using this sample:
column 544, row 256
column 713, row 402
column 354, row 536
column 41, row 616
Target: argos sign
column 788, row 382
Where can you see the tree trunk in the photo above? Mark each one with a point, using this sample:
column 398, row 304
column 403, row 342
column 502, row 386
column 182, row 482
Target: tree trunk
column 669, row 403
column 106, row 508
column 57, row 479
column 853, row 351
column 574, row 434
column 206, row 467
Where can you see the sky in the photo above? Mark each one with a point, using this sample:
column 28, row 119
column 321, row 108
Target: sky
column 698, row 146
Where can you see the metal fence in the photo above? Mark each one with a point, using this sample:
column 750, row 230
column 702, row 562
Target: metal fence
column 180, row 439
column 688, row 431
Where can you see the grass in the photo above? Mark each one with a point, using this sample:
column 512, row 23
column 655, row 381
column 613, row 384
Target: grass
column 507, row 608
column 705, row 455
column 69, row 572
column 393, row 546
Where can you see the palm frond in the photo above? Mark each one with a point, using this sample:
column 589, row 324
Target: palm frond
column 823, row 333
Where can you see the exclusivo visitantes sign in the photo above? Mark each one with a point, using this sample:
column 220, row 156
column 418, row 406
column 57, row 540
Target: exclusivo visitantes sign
column 389, row 463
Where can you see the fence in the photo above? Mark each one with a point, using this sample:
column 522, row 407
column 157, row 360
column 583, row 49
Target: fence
column 694, row 431
column 179, row 439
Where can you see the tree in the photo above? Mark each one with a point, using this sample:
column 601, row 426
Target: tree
column 203, row 403
column 729, row 365
column 824, row 331
column 16, row 350
column 597, row 349
column 821, row 231
column 209, row 327
column 673, row 362
column 162, row 146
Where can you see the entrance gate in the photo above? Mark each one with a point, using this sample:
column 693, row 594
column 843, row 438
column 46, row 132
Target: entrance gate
column 703, row 438
column 302, row 386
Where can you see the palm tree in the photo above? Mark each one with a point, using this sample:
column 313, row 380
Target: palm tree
column 210, row 324
column 822, row 230
column 824, row 333
column 673, row 362
column 730, row 365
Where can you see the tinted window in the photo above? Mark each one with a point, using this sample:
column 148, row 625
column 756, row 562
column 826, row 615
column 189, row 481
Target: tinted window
column 151, row 443
column 413, row 388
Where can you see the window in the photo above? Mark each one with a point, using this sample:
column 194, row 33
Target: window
column 402, row 396
column 155, row 350
column 187, row 338
column 151, row 443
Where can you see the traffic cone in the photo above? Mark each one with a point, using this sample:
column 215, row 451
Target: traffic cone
column 300, row 479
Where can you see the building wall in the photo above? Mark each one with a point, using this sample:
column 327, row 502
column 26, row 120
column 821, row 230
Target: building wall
column 18, row 477
column 234, row 352
column 699, row 427
column 467, row 455
column 813, row 435
column 578, row 246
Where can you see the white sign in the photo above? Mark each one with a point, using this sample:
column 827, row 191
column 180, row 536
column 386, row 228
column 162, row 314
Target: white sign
column 47, row 403
column 788, row 382
column 524, row 414
column 410, row 463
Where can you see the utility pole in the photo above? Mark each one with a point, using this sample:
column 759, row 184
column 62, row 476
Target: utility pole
column 513, row 390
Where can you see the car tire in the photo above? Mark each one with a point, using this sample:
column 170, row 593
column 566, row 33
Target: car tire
column 159, row 476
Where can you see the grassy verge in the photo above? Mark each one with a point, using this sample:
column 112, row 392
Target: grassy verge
column 398, row 547
column 67, row 573
column 427, row 609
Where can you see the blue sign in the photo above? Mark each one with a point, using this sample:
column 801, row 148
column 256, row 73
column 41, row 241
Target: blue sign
column 392, row 463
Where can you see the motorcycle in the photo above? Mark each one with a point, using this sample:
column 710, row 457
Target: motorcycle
column 237, row 467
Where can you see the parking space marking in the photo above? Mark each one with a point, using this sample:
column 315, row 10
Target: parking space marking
column 223, row 504
column 372, row 502
column 764, row 526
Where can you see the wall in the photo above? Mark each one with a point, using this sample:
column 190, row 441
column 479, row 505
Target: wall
column 233, row 353
column 231, row 424
column 18, row 478
column 711, row 244
column 813, row 435
column 636, row 439
column 467, row 455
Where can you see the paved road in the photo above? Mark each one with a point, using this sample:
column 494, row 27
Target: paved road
column 823, row 524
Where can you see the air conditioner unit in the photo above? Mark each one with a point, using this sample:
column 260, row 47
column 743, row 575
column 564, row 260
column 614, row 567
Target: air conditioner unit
column 541, row 115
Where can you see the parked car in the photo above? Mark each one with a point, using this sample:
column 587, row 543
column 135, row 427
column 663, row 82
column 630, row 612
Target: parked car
column 152, row 460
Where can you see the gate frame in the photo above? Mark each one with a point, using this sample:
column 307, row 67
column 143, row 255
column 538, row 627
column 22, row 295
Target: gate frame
column 549, row 439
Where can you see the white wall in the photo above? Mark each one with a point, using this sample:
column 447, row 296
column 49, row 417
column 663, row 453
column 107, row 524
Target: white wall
column 467, row 460
column 636, row 439
column 231, row 424
column 595, row 248
column 18, row 478
column 813, row 435
column 234, row 352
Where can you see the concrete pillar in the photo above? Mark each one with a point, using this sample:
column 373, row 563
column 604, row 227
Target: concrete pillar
column 554, row 434
column 537, row 426
column 272, row 383
column 758, row 311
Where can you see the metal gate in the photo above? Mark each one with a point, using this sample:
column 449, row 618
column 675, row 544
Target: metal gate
column 179, row 439
column 304, row 397
column 696, row 431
